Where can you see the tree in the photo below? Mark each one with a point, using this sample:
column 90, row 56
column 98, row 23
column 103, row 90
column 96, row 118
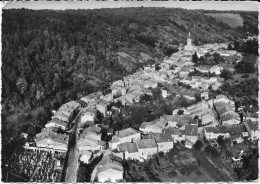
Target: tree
column 198, row 145
column 195, row 58
column 247, row 65
column 180, row 112
column 197, row 97
column 145, row 98
column 21, row 85
column 226, row 74
column 230, row 46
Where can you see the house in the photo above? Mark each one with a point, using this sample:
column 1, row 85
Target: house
column 65, row 113
column 164, row 141
column 92, row 131
column 155, row 126
column 207, row 119
column 222, row 98
column 250, row 116
column 234, row 132
column 91, row 97
column 205, row 95
column 49, row 139
column 175, row 133
column 129, row 149
column 146, row 148
column 215, row 69
column 184, row 120
column 61, row 117
column 110, row 168
column 91, row 142
column 253, row 129
column 230, row 119
column 215, row 85
column 57, row 123
column 122, row 136
column 191, row 135
column 73, row 104
column 89, row 115
column 150, row 83
column 164, row 93
column 170, row 120
column 102, row 107
column 186, row 80
column 108, row 97
column 203, row 69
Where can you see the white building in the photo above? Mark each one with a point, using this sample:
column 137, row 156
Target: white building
column 146, row 148
column 122, row 136
column 252, row 128
column 110, row 169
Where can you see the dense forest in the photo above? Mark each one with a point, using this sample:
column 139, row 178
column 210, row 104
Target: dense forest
column 50, row 57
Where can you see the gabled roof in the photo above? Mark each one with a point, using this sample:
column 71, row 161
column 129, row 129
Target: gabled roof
column 73, row 104
column 227, row 129
column 57, row 121
column 172, row 131
column 191, row 130
column 60, row 116
column 92, row 128
column 48, row 134
column 218, row 97
column 253, row 125
column 130, row 147
column 126, row 132
column 229, row 117
column 110, row 162
column 146, row 143
column 161, row 138
column 91, row 140
column 250, row 115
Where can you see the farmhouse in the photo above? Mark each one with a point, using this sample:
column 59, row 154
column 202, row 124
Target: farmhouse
column 122, row 136
column 164, row 141
column 146, row 148
column 49, row 139
column 110, row 168
column 57, row 123
column 253, row 129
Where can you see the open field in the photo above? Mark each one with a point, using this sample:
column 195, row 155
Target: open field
column 233, row 20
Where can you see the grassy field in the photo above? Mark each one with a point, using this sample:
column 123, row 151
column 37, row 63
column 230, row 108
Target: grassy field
column 233, row 20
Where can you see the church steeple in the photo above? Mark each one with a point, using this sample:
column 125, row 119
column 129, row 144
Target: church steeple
column 189, row 40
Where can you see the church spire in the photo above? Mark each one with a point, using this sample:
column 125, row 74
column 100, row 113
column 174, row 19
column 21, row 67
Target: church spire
column 189, row 34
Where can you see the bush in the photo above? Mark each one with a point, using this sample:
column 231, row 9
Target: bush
column 161, row 154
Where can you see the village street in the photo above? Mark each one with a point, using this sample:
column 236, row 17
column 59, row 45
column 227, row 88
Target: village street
column 73, row 153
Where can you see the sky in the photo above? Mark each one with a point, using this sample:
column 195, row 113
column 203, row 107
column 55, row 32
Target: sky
column 62, row 5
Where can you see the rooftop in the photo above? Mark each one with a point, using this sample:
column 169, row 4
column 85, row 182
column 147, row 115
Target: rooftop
column 126, row 132
column 253, row 125
column 130, row 147
column 163, row 137
column 146, row 143
column 224, row 129
column 191, row 130
column 110, row 161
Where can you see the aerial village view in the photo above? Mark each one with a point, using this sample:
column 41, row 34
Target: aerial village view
column 102, row 102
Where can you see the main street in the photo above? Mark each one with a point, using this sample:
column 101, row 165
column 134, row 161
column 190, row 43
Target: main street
column 71, row 166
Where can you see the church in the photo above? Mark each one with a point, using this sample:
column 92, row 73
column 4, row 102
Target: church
column 189, row 47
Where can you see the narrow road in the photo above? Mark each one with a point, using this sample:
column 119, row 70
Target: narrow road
column 72, row 157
